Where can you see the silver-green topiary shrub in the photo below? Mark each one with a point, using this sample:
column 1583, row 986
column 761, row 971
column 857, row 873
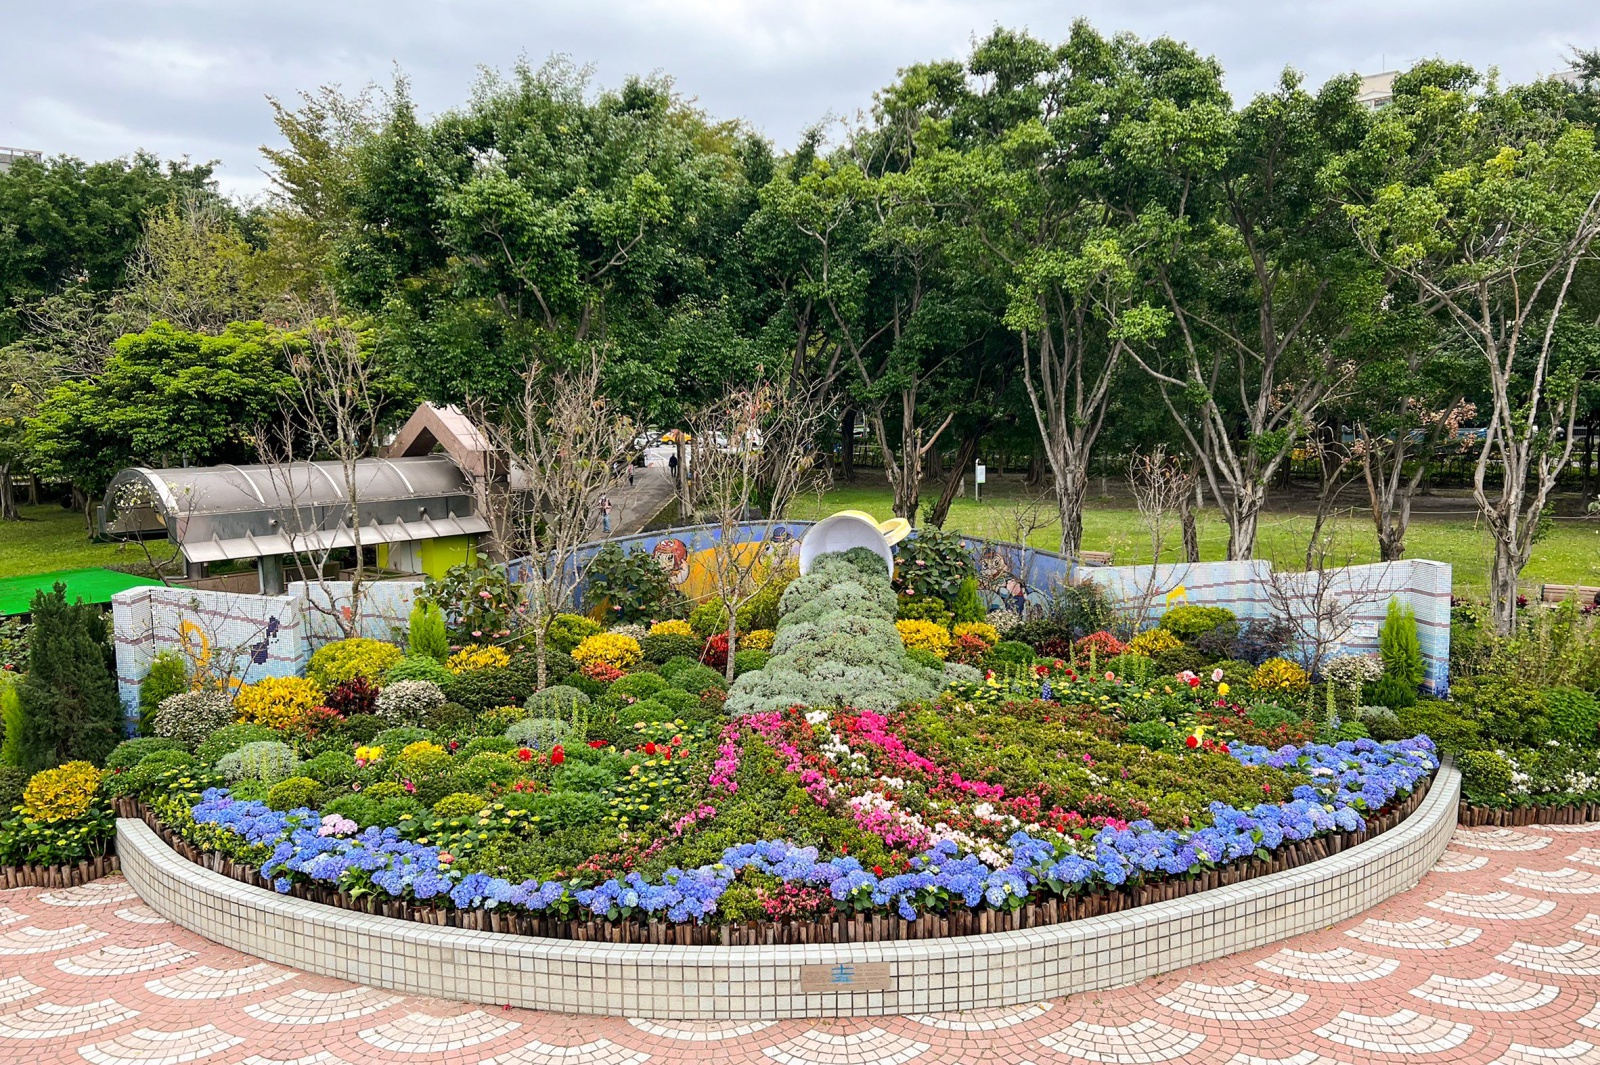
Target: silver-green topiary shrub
column 265, row 760
column 836, row 645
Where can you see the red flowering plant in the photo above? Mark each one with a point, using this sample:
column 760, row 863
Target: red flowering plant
column 602, row 671
column 715, row 652
column 1102, row 645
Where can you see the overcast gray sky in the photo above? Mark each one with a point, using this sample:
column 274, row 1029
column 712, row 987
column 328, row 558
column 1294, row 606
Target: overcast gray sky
column 189, row 77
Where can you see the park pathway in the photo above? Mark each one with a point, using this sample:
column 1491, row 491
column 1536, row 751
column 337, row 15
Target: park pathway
column 634, row 505
column 1493, row 958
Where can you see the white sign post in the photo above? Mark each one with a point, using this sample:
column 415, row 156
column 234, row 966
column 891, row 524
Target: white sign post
column 980, row 473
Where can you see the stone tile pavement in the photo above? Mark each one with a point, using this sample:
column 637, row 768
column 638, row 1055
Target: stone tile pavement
column 1493, row 958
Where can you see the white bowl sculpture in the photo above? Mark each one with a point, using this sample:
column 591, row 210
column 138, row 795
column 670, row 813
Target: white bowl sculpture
column 852, row 528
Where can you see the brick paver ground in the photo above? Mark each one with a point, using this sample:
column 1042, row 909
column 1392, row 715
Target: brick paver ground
column 1494, row 957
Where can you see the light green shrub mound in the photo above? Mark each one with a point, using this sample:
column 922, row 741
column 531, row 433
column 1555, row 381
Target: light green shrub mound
column 836, row 645
column 267, row 761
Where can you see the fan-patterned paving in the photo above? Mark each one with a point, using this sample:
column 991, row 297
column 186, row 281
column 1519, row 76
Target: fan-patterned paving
column 1494, row 959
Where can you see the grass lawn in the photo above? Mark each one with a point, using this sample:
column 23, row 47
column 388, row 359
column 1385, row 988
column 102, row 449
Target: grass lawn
column 1569, row 553
column 50, row 538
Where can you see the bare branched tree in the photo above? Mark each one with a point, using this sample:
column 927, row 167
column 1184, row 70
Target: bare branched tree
column 1163, row 486
column 754, row 445
column 1320, row 606
column 331, row 413
column 564, row 446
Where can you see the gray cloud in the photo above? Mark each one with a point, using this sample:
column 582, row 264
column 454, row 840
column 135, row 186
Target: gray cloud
column 189, row 77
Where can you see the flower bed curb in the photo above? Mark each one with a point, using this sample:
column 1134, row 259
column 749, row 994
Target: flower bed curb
column 644, row 980
column 57, row 876
column 1470, row 816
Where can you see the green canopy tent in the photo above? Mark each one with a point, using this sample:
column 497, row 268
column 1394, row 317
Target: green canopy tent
column 90, row 585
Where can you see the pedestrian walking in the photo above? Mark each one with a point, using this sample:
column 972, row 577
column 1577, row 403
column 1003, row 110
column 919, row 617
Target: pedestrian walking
column 672, row 466
column 605, row 514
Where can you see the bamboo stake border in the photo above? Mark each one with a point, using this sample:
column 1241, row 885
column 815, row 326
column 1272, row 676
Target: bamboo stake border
column 834, row 928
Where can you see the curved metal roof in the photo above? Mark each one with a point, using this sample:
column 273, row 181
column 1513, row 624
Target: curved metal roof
column 216, row 512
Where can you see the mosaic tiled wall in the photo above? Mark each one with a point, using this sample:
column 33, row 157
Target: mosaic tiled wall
column 237, row 625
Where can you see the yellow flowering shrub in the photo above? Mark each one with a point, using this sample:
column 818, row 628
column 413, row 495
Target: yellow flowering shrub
column 757, row 640
column 475, row 656
column 1152, row 642
column 1279, row 675
column 276, row 702
column 368, row 755
column 981, row 629
column 674, row 627
column 334, row 663
column 64, row 793
column 924, row 636
column 612, row 648
column 422, row 759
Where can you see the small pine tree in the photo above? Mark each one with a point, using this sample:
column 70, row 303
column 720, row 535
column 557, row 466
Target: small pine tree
column 968, row 604
column 169, row 675
column 1399, row 647
column 11, row 721
column 426, row 632
column 69, row 703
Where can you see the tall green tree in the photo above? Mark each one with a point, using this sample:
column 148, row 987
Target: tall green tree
column 1265, row 282
column 165, row 397
column 70, row 708
column 1491, row 208
column 65, row 223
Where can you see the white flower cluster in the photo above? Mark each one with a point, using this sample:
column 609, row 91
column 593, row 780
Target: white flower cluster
column 1003, row 620
column 1351, row 670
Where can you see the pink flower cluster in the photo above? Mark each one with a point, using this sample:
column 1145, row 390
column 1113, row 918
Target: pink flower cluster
column 769, row 726
column 700, row 813
column 726, row 768
column 874, row 730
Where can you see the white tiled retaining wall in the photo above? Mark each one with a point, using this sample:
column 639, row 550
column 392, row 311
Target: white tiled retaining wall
column 743, row 983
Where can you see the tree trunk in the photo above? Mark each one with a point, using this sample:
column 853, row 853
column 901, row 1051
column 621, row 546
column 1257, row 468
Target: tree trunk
column 1243, row 513
column 1072, row 487
column 1035, row 470
column 1503, row 573
column 965, row 456
column 847, row 445
column 33, row 489
column 935, row 467
column 1191, row 533
column 733, row 624
column 1588, row 460
column 8, row 497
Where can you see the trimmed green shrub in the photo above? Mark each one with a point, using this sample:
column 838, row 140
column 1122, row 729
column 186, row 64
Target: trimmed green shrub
column 925, row 658
column 667, row 646
column 567, row 631
column 394, row 740
column 967, row 605
column 1441, row 723
column 557, row 701
column 1187, row 622
column 334, row 768
column 708, row 619
column 425, row 634
column 13, row 782
column 1156, row 735
column 230, row 738
column 923, row 608
column 419, row 667
column 699, row 679
column 360, row 728
column 168, row 676
column 293, row 793
column 637, row 686
column 448, row 717
column 1270, row 716
column 1011, row 651
column 1574, row 716
column 673, row 666
column 1485, row 775
column 459, row 804
column 130, row 753
column 677, row 700
column 747, row 661
column 12, row 722
column 485, row 744
column 484, row 689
